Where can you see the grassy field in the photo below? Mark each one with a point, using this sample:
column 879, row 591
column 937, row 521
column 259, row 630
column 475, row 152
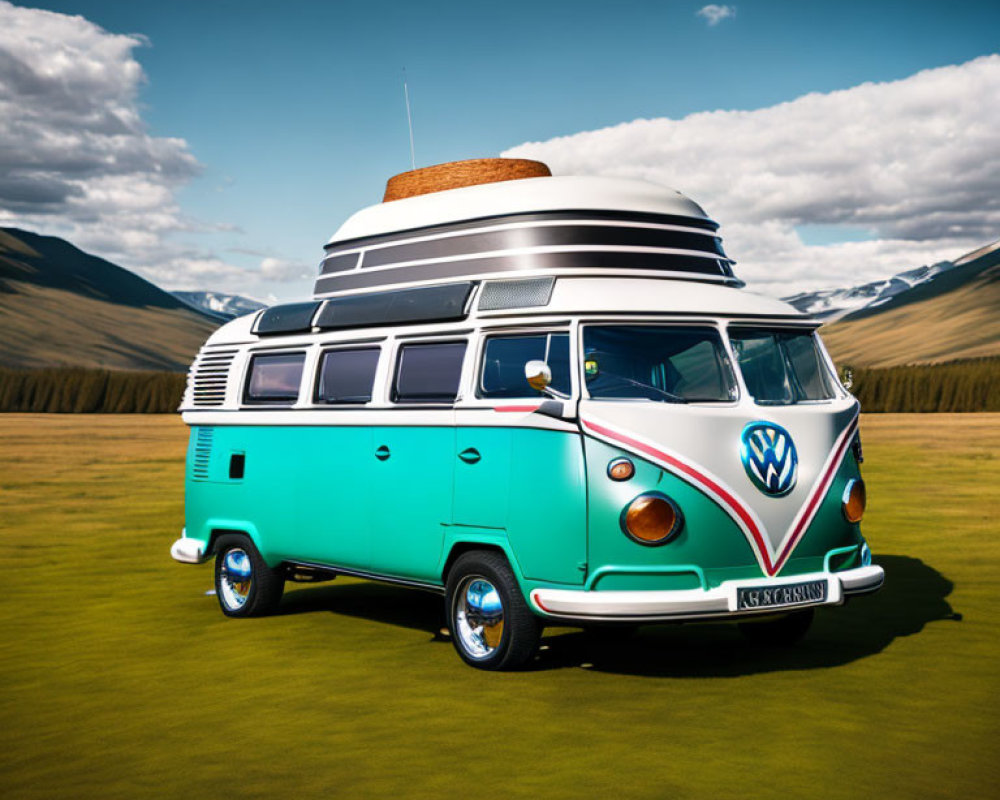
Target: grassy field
column 120, row 677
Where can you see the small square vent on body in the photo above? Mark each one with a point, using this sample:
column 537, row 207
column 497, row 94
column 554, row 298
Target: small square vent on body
column 202, row 453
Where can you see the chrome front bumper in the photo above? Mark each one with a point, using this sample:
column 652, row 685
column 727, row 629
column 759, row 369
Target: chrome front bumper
column 721, row 601
column 188, row 551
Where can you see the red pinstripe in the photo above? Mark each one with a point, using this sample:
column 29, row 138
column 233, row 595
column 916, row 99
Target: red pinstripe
column 734, row 505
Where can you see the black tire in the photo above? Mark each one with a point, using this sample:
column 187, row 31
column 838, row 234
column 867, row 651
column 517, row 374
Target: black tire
column 520, row 629
column 263, row 590
column 783, row 631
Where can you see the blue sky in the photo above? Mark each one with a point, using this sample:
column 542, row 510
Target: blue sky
column 294, row 110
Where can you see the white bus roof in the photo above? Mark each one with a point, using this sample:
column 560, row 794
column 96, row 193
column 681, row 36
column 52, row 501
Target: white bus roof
column 526, row 196
column 588, row 296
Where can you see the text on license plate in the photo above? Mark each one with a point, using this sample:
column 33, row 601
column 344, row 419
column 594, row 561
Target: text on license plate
column 788, row 594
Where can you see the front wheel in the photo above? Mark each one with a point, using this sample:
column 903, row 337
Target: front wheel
column 244, row 584
column 785, row 630
column 491, row 625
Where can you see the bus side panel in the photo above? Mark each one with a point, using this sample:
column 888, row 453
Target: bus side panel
column 333, row 505
column 263, row 500
column 482, row 476
column 547, row 515
column 410, row 498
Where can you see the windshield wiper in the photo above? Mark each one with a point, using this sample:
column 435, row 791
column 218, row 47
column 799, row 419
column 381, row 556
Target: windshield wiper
column 668, row 396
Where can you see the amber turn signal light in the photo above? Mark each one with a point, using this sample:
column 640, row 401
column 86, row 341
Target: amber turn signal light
column 855, row 500
column 620, row 469
column 652, row 519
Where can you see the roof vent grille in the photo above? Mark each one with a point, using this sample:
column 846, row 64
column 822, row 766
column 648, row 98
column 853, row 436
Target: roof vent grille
column 526, row 293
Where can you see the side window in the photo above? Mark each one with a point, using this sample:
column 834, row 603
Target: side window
column 504, row 358
column 347, row 376
column 274, row 378
column 428, row 373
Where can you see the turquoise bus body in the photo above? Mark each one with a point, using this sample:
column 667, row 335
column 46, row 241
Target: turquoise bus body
column 316, row 495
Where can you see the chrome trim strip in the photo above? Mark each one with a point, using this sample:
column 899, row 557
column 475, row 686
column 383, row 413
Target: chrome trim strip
column 584, row 264
column 371, row 576
column 509, row 238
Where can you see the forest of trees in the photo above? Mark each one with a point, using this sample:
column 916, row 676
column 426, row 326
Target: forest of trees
column 76, row 391
column 971, row 385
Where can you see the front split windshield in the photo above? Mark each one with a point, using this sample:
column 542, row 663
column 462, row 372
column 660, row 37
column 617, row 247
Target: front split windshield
column 689, row 364
column 654, row 362
column 781, row 367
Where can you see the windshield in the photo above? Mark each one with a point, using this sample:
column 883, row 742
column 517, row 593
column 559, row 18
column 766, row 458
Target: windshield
column 674, row 364
column 782, row 367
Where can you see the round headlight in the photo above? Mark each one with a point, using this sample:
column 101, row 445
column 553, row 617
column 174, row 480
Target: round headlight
column 652, row 519
column 854, row 501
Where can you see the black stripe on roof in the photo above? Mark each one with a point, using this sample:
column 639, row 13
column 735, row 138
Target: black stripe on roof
column 517, row 238
column 595, row 259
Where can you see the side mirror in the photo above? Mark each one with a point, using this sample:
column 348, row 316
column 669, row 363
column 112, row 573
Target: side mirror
column 538, row 375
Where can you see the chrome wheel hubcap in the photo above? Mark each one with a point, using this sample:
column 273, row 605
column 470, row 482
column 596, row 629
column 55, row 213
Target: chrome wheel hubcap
column 478, row 617
column 236, row 577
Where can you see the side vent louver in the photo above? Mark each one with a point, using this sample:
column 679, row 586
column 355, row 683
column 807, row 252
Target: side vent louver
column 526, row 293
column 202, row 454
column 208, row 377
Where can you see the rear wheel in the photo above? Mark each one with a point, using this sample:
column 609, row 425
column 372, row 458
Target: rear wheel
column 784, row 630
column 491, row 625
column 244, row 584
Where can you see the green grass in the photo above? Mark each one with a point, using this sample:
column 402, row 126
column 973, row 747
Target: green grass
column 121, row 678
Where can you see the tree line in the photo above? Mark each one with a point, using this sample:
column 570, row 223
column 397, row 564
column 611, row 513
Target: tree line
column 968, row 385
column 84, row 391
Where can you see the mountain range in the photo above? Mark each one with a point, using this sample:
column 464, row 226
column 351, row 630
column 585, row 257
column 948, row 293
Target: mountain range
column 832, row 304
column 60, row 306
column 950, row 311
column 219, row 304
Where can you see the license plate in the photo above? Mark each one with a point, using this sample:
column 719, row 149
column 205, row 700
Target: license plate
column 787, row 594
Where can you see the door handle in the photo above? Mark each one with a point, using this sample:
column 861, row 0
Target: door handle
column 470, row 455
column 382, row 453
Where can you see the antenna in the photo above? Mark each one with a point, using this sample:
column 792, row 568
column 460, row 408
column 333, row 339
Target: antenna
column 409, row 120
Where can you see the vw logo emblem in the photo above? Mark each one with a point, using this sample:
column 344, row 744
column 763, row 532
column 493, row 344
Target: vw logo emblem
column 769, row 457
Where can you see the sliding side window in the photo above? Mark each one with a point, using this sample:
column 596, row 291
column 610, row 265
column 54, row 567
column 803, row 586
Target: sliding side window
column 347, row 376
column 428, row 373
column 274, row 378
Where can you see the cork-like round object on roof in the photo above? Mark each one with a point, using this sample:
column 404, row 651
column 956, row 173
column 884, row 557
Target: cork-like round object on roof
column 457, row 174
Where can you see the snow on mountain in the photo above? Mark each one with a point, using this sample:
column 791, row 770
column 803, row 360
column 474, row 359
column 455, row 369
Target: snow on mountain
column 227, row 306
column 832, row 304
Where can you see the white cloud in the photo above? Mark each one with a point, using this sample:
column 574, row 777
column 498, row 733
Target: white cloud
column 915, row 161
column 279, row 269
column 714, row 14
column 76, row 158
column 72, row 142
